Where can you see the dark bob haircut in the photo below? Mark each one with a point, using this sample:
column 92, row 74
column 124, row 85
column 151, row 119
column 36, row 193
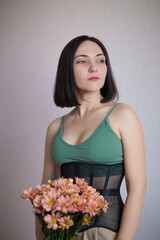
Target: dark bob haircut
column 66, row 89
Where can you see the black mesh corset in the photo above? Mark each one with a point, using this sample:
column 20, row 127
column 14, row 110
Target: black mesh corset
column 106, row 178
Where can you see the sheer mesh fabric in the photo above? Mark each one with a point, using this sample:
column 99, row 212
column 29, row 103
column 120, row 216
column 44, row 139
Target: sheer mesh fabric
column 107, row 179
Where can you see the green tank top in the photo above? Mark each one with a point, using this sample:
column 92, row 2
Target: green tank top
column 102, row 146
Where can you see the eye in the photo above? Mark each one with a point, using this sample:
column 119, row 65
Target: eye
column 101, row 60
column 82, row 61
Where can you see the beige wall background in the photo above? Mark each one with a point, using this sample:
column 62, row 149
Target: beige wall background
column 32, row 36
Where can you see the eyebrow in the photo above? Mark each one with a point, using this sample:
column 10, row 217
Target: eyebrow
column 82, row 55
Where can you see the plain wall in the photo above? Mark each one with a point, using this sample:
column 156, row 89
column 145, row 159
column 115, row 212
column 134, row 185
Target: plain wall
column 32, row 36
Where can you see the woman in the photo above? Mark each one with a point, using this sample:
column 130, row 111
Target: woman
column 99, row 140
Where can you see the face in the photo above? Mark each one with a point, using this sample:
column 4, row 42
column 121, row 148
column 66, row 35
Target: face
column 89, row 61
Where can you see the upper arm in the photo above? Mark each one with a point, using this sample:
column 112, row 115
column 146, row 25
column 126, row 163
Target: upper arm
column 50, row 170
column 133, row 148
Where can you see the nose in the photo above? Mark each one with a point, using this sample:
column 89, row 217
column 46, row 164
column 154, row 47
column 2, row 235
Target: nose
column 92, row 67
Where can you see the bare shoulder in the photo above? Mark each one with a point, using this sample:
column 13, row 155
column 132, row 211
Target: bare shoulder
column 126, row 113
column 128, row 121
column 122, row 113
column 124, row 110
column 55, row 123
column 54, row 126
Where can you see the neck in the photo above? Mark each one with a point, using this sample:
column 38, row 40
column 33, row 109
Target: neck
column 90, row 103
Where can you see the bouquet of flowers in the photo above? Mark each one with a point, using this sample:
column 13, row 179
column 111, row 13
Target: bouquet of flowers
column 64, row 207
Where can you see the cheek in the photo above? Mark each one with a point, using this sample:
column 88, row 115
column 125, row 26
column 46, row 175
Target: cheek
column 79, row 74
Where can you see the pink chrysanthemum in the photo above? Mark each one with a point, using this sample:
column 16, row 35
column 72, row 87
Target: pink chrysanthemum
column 64, row 204
column 92, row 207
column 81, row 205
column 52, row 220
column 65, row 222
column 38, row 210
column 37, row 201
column 28, row 194
column 38, row 189
column 49, row 200
column 86, row 219
column 76, row 199
column 81, row 183
column 70, row 189
column 45, row 188
column 64, row 183
column 89, row 191
column 105, row 206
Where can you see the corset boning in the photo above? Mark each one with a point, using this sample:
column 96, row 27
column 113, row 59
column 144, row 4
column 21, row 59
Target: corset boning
column 107, row 179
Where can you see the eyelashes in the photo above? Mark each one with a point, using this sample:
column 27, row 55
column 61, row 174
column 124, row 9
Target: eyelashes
column 99, row 61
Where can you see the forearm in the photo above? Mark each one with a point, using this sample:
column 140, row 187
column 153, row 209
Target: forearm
column 38, row 229
column 131, row 215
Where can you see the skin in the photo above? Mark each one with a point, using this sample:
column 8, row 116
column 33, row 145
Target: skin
column 85, row 118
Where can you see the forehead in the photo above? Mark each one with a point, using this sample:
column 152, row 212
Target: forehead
column 89, row 48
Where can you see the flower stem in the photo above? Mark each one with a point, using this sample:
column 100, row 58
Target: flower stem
column 67, row 235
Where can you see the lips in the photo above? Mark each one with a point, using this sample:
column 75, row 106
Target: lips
column 93, row 78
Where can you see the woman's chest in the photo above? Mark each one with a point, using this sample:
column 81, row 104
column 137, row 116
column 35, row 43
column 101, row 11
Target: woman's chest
column 76, row 133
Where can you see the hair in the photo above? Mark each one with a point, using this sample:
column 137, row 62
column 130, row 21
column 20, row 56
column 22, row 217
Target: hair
column 65, row 88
